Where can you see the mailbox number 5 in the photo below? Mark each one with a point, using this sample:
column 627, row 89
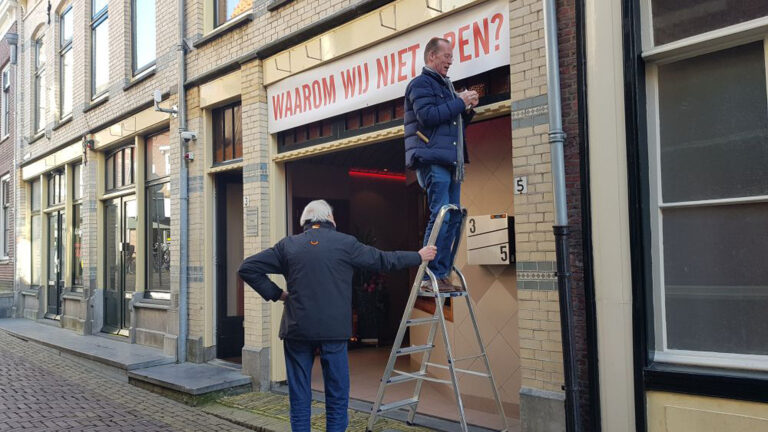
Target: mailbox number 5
column 504, row 253
column 472, row 228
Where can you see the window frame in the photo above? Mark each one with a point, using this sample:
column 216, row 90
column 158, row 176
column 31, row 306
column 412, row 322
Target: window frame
column 150, row 291
column 77, row 203
column 5, row 106
column 39, row 76
column 65, row 47
column 6, row 225
column 216, row 23
column 35, row 212
column 98, row 18
column 138, row 71
column 236, row 108
column 111, row 158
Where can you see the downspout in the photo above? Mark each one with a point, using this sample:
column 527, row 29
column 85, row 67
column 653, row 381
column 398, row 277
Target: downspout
column 561, row 229
column 183, row 193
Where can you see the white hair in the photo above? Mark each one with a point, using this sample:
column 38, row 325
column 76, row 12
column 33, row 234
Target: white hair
column 316, row 211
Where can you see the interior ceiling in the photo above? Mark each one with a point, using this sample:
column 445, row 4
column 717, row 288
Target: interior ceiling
column 389, row 155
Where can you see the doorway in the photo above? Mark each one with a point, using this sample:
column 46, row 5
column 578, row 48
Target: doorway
column 120, row 223
column 230, row 335
column 55, row 272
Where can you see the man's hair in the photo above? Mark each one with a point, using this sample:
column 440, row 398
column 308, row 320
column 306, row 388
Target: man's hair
column 432, row 46
column 316, row 211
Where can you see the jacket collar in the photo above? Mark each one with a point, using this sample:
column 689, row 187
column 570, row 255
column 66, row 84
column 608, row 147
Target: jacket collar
column 315, row 225
column 434, row 75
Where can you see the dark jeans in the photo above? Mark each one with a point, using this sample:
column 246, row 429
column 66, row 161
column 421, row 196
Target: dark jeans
column 441, row 189
column 299, row 357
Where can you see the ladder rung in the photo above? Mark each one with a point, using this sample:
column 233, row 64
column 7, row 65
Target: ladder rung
column 419, row 321
column 398, row 404
column 468, row 358
column 469, row 372
column 410, row 376
column 443, row 295
column 414, row 349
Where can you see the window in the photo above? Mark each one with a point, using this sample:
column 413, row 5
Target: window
column 65, row 62
column 40, row 94
column 120, row 169
column 5, row 116
column 158, row 196
column 77, row 226
column 57, row 189
column 5, row 214
column 35, row 233
column 225, row 10
column 99, row 47
column 227, row 133
column 143, row 35
column 708, row 191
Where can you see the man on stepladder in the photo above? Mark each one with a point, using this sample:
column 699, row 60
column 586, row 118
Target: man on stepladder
column 436, row 117
column 318, row 265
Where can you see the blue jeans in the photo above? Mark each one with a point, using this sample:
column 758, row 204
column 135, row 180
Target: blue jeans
column 299, row 357
column 442, row 189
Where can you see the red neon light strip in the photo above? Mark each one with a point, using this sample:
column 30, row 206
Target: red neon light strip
column 377, row 175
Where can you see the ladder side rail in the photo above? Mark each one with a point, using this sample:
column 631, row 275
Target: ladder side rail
column 406, row 315
column 484, row 354
column 454, row 379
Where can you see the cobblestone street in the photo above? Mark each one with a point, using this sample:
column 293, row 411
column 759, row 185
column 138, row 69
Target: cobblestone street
column 43, row 391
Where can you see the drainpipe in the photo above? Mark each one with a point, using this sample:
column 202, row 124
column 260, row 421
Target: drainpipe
column 561, row 229
column 183, row 192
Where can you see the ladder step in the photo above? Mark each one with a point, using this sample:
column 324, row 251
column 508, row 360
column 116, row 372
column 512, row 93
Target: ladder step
column 398, row 404
column 419, row 321
column 443, row 295
column 410, row 376
column 414, row 349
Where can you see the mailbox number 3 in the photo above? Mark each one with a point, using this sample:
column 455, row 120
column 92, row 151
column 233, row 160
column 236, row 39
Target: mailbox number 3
column 472, row 227
column 504, row 253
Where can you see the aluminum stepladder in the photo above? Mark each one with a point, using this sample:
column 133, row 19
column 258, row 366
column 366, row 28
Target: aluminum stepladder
column 437, row 319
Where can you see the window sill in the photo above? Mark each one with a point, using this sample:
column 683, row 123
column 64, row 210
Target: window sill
column 712, row 382
column 5, row 260
column 141, row 77
column 4, row 139
column 277, row 4
column 97, row 102
column 72, row 295
column 156, row 304
column 36, row 137
column 63, row 121
column 223, row 29
column 30, row 292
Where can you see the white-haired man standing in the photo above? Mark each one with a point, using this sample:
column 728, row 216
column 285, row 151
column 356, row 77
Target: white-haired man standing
column 318, row 266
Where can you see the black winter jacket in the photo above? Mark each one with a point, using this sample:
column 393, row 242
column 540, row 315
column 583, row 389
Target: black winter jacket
column 432, row 109
column 318, row 266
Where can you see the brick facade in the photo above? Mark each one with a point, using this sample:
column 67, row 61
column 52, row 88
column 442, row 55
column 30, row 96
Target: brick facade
column 7, row 146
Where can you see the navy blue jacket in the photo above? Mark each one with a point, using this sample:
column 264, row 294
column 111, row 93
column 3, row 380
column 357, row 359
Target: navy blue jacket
column 432, row 109
column 318, row 266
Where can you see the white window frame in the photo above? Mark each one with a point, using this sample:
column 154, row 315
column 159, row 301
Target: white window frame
column 98, row 18
column 5, row 208
column 65, row 47
column 5, row 83
column 39, row 74
column 713, row 41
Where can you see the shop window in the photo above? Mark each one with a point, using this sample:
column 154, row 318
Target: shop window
column 709, row 191
column 225, row 10
column 227, row 133
column 40, row 93
column 5, row 214
column 77, row 227
column 120, row 170
column 675, row 19
column 57, row 188
column 158, row 211
column 143, row 35
column 65, row 62
column 99, row 47
column 35, row 233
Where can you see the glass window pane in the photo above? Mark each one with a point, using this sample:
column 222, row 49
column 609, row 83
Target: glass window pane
column 98, row 5
column 144, row 33
column 35, row 196
column 714, row 125
column 40, row 100
column 218, row 135
column 101, row 57
column 66, row 83
column 77, row 240
column 128, row 166
column 715, row 278
column 53, row 246
column 159, row 237
column 677, row 19
column 66, row 26
column 109, row 172
column 51, row 190
column 238, row 138
column 40, row 53
column 228, row 128
column 130, row 215
column 158, row 156
column 34, row 244
column 119, row 169
column 62, row 183
column 77, row 179
column 228, row 9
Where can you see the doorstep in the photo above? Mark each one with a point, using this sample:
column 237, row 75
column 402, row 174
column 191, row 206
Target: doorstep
column 142, row 366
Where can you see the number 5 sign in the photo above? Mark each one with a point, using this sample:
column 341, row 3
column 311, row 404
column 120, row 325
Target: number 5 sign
column 521, row 185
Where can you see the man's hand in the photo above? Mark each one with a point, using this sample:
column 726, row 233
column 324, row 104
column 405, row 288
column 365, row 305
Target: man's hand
column 470, row 98
column 284, row 296
column 428, row 253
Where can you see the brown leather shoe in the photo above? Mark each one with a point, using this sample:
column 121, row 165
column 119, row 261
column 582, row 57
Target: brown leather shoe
column 446, row 285
column 426, row 286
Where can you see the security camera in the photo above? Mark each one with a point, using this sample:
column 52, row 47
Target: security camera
column 188, row 136
column 158, row 96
